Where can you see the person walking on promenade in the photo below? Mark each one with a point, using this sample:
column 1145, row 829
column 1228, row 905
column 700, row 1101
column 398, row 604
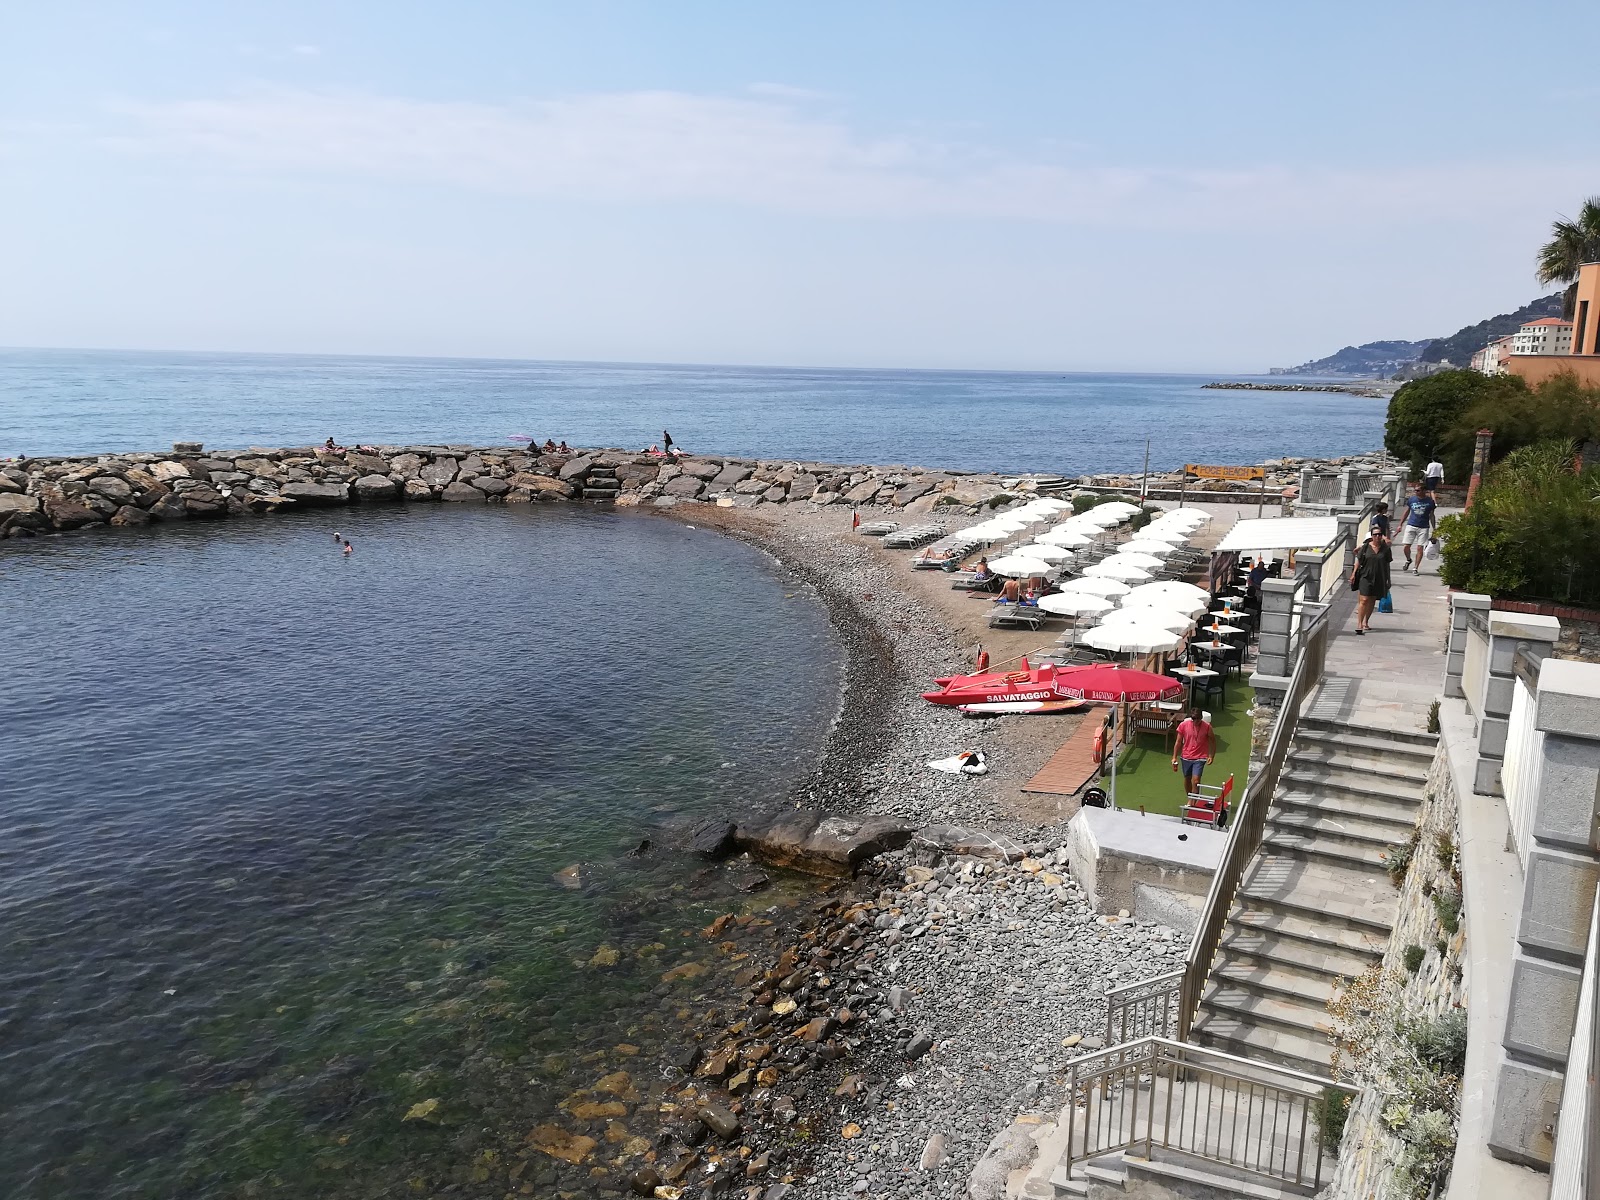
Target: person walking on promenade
column 1418, row 529
column 1195, row 747
column 1432, row 476
column 1380, row 519
column 1370, row 577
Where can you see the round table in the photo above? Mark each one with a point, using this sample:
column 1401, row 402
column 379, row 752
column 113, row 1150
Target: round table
column 1192, row 675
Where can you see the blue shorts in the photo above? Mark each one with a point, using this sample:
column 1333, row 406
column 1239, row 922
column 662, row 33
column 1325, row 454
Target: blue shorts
column 1191, row 767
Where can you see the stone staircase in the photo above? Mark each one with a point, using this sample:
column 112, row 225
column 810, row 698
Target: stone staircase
column 1315, row 906
column 1165, row 1175
column 600, row 483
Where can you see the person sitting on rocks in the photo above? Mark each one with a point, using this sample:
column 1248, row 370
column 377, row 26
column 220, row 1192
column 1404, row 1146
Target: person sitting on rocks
column 549, row 446
column 564, row 448
column 331, row 448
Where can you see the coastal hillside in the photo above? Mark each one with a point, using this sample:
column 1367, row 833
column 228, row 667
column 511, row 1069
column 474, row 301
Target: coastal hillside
column 1461, row 345
column 1373, row 360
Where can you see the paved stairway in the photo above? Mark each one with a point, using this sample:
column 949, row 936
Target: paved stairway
column 1316, row 905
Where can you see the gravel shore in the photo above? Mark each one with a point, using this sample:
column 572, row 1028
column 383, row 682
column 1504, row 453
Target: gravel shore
column 974, row 977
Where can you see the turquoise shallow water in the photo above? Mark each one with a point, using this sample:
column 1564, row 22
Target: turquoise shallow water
column 59, row 401
column 277, row 848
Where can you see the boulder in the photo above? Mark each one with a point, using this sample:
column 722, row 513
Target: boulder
column 69, row 514
column 806, row 840
column 490, row 486
column 915, row 489
column 685, row 487
column 129, row 515
column 576, row 469
column 472, row 465
column 168, row 471
column 541, row 485
column 9, row 484
column 168, row 507
column 415, row 489
column 712, row 838
column 376, row 487
column 255, row 466
column 316, row 495
column 863, row 491
column 751, row 487
column 462, row 493
column 406, row 465
column 776, row 494
column 636, row 475
column 439, row 472
column 730, row 475
column 801, row 487
column 704, row 471
column 116, row 490
column 10, row 503
column 366, row 464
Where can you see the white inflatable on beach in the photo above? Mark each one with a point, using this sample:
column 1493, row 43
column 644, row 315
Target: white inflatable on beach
column 958, row 764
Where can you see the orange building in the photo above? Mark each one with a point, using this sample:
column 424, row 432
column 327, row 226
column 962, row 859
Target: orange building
column 1584, row 361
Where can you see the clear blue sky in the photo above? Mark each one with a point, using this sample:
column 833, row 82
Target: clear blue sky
column 1161, row 186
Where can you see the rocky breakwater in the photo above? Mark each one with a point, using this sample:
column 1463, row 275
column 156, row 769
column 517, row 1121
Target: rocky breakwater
column 910, row 1042
column 48, row 494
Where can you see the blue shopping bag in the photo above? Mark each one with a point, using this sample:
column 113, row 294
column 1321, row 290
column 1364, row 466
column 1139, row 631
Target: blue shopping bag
column 1386, row 605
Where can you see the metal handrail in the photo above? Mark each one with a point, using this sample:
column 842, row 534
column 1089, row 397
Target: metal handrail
column 1248, row 1116
column 1148, row 1008
column 1250, row 820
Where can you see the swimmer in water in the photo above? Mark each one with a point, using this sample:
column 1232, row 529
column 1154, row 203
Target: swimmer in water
column 348, row 549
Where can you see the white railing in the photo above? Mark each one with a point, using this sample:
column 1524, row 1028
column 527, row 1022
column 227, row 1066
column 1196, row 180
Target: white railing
column 1575, row 1169
column 1475, row 662
column 1155, row 1092
column 1520, row 774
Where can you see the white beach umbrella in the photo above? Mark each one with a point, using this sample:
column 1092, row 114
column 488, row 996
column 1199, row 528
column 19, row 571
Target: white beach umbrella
column 1134, row 559
column 1095, row 586
column 1059, row 536
column 1197, row 516
column 1019, row 565
column 1121, row 507
column 1144, row 545
column 1010, row 522
column 1050, row 554
column 1163, row 618
column 1172, row 587
column 1132, row 639
column 1075, row 604
column 1112, row 569
column 1100, row 517
column 1051, row 504
column 1166, row 603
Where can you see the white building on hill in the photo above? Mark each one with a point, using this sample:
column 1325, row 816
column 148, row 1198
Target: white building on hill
column 1547, row 335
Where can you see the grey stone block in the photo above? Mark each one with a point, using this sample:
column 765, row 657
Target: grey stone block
column 1455, row 662
column 1557, row 901
column 1458, row 638
column 1569, row 793
column 1276, row 622
column 1464, row 601
column 1486, row 777
column 1542, row 1011
column 1273, row 645
column 1497, row 695
column 1526, row 1100
column 1492, row 733
column 1453, row 688
column 1569, row 698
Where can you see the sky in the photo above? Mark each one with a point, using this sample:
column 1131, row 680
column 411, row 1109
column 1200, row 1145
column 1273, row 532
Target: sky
column 1052, row 186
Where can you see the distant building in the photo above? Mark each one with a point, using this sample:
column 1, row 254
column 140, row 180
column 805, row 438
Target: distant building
column 1580, row 356
column 1547, row 335
column 1491, row 359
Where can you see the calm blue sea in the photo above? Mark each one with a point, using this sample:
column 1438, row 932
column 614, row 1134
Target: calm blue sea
column 61, row 401
column 280, row 829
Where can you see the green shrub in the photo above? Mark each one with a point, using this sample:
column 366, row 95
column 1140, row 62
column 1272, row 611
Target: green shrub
column 1414, row 954
column 1433, row 717
column 1431, row 416
column 1444, row 849
column 1397, row 859
column 1429, row 1147
column 1331, row 1110
column 1440, row 1042
column 1447, row 906
column 1084, row 501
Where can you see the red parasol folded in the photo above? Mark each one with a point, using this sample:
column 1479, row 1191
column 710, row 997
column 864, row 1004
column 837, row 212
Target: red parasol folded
column 1109, row 683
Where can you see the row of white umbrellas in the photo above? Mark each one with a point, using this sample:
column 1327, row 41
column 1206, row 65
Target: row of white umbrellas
column 1153, row 616
column 1056, row 545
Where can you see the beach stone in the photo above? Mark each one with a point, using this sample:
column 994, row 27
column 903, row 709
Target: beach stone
column 375, row 487
column 713, row 838
column 1012, row 1148
column 645, row 1181
column 932, row 1152
column 558, row 1143
column 438, row 472
column 718, row 1120
column 960, row 842
column 316, row 494
column 461, row 493
column 69, row 514
column 685, row 487
column 472, row 465
column 920, row 1043
column 571, row 877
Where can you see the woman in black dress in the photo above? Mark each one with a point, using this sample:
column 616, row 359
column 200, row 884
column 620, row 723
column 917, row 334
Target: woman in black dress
column 1370, row 576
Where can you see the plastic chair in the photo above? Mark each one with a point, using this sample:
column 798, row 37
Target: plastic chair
column 1208, row 805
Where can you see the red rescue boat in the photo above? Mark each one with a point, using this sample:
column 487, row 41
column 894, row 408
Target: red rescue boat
column 990, row 687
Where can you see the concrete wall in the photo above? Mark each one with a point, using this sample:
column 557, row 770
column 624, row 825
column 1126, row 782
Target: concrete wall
column 1370, row 1149
column 1150, row 865
column 1563, row 871
column 1537, row 368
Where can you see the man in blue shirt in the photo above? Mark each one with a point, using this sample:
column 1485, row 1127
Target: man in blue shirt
column 1418, row 529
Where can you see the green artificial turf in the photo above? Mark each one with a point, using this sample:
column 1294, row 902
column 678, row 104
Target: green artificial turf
column 1145, row 775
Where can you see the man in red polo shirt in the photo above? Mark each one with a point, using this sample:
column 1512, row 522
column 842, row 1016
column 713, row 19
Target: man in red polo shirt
column 1196, row 746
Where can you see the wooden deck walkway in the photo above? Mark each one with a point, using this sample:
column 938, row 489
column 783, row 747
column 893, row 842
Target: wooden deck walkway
column 1073, row 765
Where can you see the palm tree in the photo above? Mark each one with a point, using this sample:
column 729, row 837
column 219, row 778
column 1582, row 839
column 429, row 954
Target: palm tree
column 1571, row 244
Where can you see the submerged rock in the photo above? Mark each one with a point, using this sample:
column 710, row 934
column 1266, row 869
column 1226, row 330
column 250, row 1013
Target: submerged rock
column 806, row 840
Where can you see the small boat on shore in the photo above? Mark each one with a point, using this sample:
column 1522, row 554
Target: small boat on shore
column 1023, row 685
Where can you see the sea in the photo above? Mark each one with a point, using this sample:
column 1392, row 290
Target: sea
column 286, row 906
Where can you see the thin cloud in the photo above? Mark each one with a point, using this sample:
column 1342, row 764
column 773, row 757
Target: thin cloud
column 769, row 151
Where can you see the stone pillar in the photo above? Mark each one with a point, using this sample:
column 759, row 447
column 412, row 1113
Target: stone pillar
column 1558, row 895
column 1480, row 462
column 1394, row 490
column 1305, row 485
column 1349, row 481
column 1276, row 648
column 1461, row 603
column 1508, row 633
